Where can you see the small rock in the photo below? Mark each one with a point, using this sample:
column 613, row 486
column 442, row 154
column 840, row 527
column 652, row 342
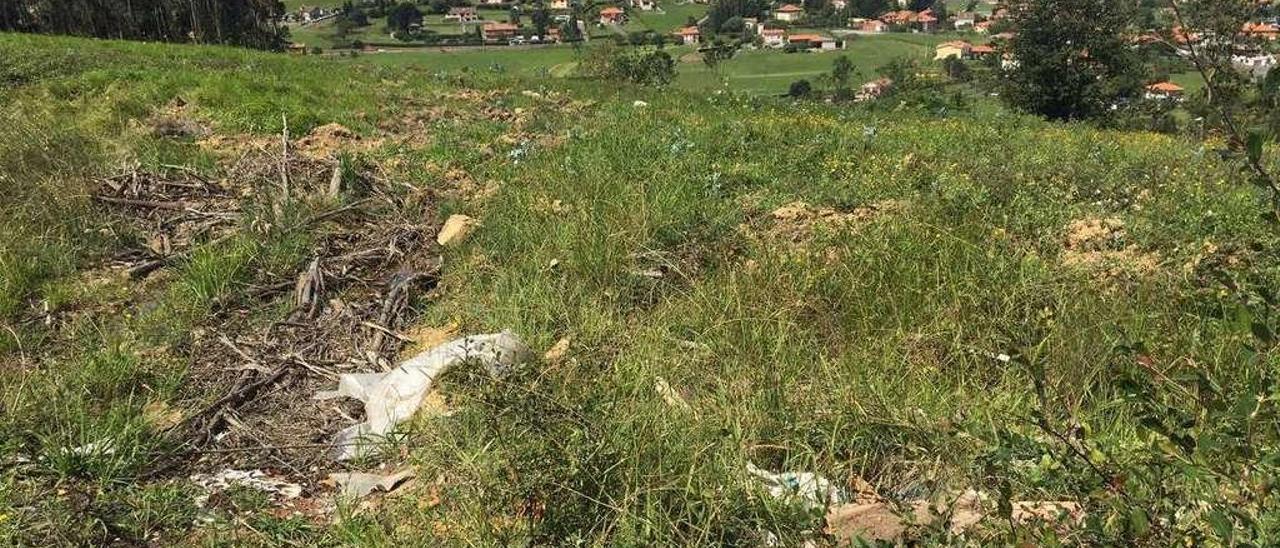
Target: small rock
column 456, row 229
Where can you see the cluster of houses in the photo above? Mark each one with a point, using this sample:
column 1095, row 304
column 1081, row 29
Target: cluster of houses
column 961, row 49
column 306, row 15
column 928, row 21
column 770, row 37
column 1251, row 53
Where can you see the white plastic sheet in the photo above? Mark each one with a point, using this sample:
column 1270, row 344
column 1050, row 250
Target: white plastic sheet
column 392, row 397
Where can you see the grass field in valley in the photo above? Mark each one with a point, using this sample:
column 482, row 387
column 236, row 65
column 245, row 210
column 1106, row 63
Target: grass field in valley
column 756, row 72
column 871, row 296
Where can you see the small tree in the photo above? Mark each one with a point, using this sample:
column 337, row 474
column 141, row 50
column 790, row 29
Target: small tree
column 541, row 19
column 714, row 54
column 841, row 70
column 956, row 69
column 732, row 25
column 403, row 17
column 800, row 89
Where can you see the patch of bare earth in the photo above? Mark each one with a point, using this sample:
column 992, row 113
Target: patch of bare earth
column 798, row 222
column 1102, row 247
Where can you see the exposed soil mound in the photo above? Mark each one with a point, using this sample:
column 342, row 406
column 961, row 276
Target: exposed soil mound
column 799, row 221
column 1102, row 246
column 329, row 140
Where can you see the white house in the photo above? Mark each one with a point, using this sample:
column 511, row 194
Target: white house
column 965, row 20
column 1164, row 91
column 1257, row 66
column 689, row 36
column 465, row 14
column 789, row 12
column 773, row 38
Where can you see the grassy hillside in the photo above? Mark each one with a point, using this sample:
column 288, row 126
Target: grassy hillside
column 926, row 304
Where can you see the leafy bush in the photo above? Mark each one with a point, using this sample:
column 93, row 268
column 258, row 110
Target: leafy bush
column 649, row 68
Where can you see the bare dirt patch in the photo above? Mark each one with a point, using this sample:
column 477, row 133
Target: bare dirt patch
column 330, row 140
column 800, row 221
column 1102, row 246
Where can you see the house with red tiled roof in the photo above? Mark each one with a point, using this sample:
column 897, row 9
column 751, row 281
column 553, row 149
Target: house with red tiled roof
column 612, row 16
column 927, row 21
column 498, row 32
column 873, row 25
column 981, row 51
column 462, row 14
column 1265, row 31
column 958, row 49
column 773, row 38
column 689, row 36
column 903, row 17
column 1181, row 36
column 789, row 13
column 812, row 41
column 1164, row 91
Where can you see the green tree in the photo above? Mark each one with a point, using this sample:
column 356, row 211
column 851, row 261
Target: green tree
column 869, row 8
column 715, row 53
column 732, row 25
column 1071, row 60
column 841, row 71
column 723, row 10
column 403, row 17
column 541, row 19
column 800, row 88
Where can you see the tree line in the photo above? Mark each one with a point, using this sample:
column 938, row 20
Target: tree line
column 249, row 23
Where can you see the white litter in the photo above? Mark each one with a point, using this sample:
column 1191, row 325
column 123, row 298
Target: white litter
column 393, row 397
column 360, row 484
column 257, row 480
column 639, row 104
column 807, row 488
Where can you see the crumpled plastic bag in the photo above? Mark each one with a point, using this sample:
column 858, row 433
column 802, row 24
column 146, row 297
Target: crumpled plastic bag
column 807, row 488
column 392, row 397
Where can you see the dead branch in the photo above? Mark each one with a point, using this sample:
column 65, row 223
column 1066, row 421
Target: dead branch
column 174, row 206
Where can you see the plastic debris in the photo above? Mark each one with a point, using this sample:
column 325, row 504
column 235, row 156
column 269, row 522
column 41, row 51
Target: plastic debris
column 361, row 484
column 393, row 397
column 257, row 480
column 807, row 488
column 639, row 104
